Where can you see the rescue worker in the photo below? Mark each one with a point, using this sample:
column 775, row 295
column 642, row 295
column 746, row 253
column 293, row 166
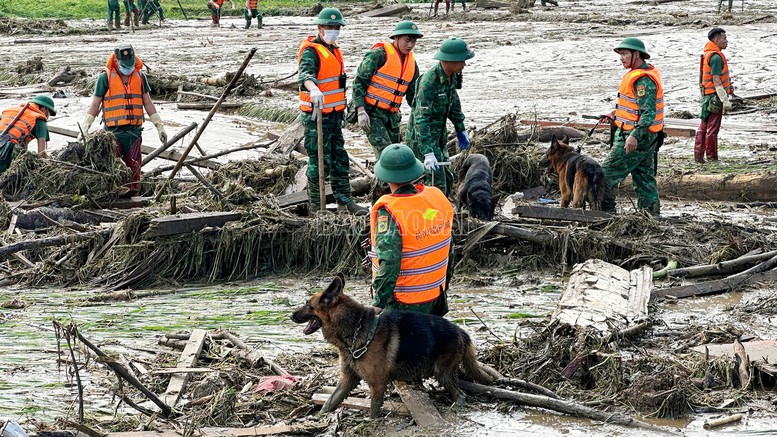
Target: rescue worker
column 385, row 76
column 639, row 118
column 252, row 11
column 149, row 8
column 114, row 14
column 716, row 88
column 129, row 6
column 411, row 237
column 437, row 4
column 123, row 91
column 30, row 124
column 322, row 86
column 215, row 10
column 436, row 101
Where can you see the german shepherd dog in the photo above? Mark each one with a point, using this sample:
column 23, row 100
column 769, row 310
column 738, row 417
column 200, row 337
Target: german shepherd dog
column 396, row 345
column 475, row 192
column 580, row 177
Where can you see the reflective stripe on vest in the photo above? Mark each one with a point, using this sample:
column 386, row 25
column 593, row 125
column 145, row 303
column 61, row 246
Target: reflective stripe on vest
column 390, row 82
column 123, row 104
column 425, row 221
column 330, row 69
column 706, row 79
column 21, row 131
column 627, row 110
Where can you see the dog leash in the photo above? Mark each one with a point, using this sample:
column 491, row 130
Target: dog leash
column 356, row 354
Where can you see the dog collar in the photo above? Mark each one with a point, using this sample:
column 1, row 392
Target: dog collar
column 357, row 353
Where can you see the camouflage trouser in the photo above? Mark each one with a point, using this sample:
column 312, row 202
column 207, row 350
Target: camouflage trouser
column 252, row 13
column 335, row 158
column 114, row 9
column 384, row 129
column 641, row 164
column 149, row 8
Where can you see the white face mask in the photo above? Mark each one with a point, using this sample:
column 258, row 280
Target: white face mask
column 330, row 35
column 126, row 71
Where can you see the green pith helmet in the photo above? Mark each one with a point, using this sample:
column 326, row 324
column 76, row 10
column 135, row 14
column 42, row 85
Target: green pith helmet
column 45, row 101
column 398, row 165
column 633, row 44
column 330, row 17
column 454, row 50
column 406, row 28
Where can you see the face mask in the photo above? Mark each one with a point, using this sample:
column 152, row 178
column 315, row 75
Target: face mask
column 126, row 71
column 330, row 35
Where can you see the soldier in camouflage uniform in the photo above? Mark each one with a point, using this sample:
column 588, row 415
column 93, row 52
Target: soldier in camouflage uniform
column 383, row 85
column 149, row 8
column 639, row 117
column 437, row 101
column 321, row 65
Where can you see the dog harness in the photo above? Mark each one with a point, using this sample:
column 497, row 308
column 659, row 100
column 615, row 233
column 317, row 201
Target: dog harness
column 708, row 87
column 330, row 77
column 357, row 353
column 627, row 109
column 389, row 84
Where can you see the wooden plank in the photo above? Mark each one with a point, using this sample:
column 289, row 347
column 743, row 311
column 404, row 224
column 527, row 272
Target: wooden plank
column 363, row 404
column 420, row 406
column 132, row 202
column 387, row 11
column 293, row 199
column 207, row 106
column 757, row 350
column 669, row 130
column 563, row 214
column 176, row 370
column 713, row 287
column 190, row 222
column 307, row 428
column 187, row 359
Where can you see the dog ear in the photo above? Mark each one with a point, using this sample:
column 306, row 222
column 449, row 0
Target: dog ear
column 553, row 144
column 565, row 140
column 332, row 293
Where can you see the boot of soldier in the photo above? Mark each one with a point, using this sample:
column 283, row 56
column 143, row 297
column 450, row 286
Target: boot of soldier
column 136, row 18
column 352, row 208
column 447, row 8
column 435, row 9
column 259, row 20
column 110, row 24
column 126, row 18
column 248, row 23
column 117, row 23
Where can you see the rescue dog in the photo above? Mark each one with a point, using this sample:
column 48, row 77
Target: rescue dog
column 580, row 177
column 475, row 191
column 396, row 345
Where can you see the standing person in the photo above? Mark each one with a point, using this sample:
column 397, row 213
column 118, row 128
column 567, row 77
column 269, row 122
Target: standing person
column 322, row 86
column 252, row 11
column 149, row 8
column 447, row 6
column 385, row 76
column 411, row 237
column 129, row 6
column 463, row 5
column 215, row 10
column 122, row 90
column 437, row 101
column 30, row 124
column 639, row 117
column 715, row 85
column 114, row 14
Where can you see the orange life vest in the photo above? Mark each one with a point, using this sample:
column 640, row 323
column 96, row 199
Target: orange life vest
column 252, row 4
column 425, row 221
column 21, row 131
column 389, row 84
column 626, row 109
column 123, row 104
column 331, row 69
column 706, row 79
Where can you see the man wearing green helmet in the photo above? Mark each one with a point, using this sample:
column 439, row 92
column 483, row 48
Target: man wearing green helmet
column 639, row 118
column 386, row 75
column 411, row 237
column 437, row 101
column 322, row 88
column 20, row 124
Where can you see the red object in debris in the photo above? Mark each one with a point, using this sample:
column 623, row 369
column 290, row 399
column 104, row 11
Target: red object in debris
column 268, row 384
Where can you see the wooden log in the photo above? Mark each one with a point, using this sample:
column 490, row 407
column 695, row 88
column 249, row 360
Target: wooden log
column 207, row 106
column 290, row 138
column 254, row 355
column 51, row 241
column 713, row 287
column 743, row 367
column 562, row 214
column 737, row 188
column 714, row 423
column 187, row 359
column 299, row 197
column 670, row 131
column 420, row 406
column 189, row 93
column 363, row 404
column 194, row 161
column 721, row 268
column 180, row 134
column 306, row 428
column 388, row 11
column 63, row 76
column 186, row 223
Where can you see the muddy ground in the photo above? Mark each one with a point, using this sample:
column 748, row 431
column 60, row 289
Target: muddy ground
column 549, row 63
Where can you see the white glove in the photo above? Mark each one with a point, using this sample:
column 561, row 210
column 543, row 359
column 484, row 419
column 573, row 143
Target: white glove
column 364, row 121
column 85, row 125
column 723, row 95
column 160, row 127
column 316, row 98
column 430, row 162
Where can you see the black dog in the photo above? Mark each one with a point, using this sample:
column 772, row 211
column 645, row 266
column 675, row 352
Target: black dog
column 475, row 191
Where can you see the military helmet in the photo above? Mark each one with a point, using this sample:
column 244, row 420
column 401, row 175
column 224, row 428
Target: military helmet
column 633, row 44
column 406, row 28
column 454, row 50
column 330, row 17
column 45, row 101
column 398, row 165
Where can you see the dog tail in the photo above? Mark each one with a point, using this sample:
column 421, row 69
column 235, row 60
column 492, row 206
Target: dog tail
column 476, row 370
column 596, row 183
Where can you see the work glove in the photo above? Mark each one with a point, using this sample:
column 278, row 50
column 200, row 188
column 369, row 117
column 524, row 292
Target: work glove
column 160, row 127
column 723, row 96
column 317, row 100
column 85, row 125
column 364, row 121
column 463, row 140
column 430, row 162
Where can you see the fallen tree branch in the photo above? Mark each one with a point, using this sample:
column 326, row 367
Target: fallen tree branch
column 526, row 385
column 52, row 241
column 719, row 268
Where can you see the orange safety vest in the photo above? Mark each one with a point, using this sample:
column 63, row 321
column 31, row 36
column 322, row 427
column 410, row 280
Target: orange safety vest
column 425, row 221
column 252, row 4
column 706, row 79
column 626, row 109
column 331, row 69
column 21, row 131
column 123, row 104
column 389, row 84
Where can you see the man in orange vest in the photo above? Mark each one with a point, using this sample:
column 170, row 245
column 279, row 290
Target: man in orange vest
column 716, row 88
column 123, row 91
column 322, row 87
column 639, row 117
column 30, row 123
column 215, row 10
column 386, row 76
column 411, row 232
column 252, row 11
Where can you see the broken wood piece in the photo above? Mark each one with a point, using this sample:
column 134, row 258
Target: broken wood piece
column 723, row 267
column 189, row 93
column 52, row 241
column 420, row 406
column 290, row 138
column 670, row 131
column 193, row 161
column 363, row 404
column 63, row 76
column 713, row 287
column 207, row 106
column 220, row 197
column 177, row 370
column 307, row 428
column 526, row 385
column 172, row 155
column 254, row 356
column 187, row 359
column 743, row 364
column 387, row 11
column 301, row 197
column 562, row 214
column 361, row 167
column 180, row 134
column 186, row 223
column 714, row 423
